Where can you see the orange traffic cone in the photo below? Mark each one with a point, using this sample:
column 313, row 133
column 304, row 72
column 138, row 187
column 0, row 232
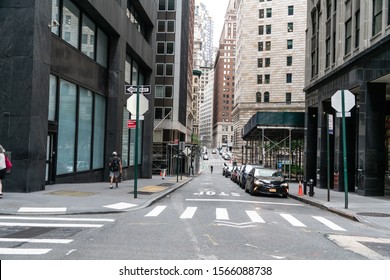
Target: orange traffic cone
column 300, row 192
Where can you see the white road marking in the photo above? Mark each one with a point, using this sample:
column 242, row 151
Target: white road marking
column 120, row 205
column 254, row 216
column 54, row 219
column 42, row 209
column 295, row 222
column 328, row 223
column 353, row 244
column 50, row 225
column 156, row 211
column 33, row 240
column 221, row 214
column 17, row 251
column 188, row 213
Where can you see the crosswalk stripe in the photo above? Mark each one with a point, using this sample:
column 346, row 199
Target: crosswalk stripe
column 18, row 251
column 221, row 214
column 55, row 219
column 328, row 223
column 295, row 222
column 50, row 225
column 188, row 213
column 156, row 211
column 254, row 216
column 34, row 240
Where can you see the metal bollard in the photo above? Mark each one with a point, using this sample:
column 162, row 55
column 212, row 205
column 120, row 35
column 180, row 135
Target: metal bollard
column 304, row 187
column 311, row 187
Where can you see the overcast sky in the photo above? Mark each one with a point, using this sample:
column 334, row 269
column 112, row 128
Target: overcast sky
column 217, row 10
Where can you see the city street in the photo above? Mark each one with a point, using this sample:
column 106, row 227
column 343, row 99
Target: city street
column 208, row 218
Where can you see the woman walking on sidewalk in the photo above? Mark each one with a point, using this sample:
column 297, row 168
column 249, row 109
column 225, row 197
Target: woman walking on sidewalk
column 3, row 169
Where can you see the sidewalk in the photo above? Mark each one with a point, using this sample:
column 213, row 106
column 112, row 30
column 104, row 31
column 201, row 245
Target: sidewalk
column 90, row 198
column 374, row 211
column 98, row 198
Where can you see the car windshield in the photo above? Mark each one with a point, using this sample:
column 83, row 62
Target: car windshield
column 267, row 172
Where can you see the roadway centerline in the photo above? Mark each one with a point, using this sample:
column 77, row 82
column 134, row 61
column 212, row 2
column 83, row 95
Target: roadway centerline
column 242, row 201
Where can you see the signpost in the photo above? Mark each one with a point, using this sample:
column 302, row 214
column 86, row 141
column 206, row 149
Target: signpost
column 343, row 101
column 141, row 105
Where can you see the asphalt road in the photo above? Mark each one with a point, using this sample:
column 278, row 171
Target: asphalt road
column 210, row 218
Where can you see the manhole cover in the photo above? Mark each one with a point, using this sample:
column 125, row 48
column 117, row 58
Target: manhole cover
column 373, row 214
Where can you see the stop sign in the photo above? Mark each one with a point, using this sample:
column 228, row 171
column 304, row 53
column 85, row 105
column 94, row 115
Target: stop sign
column 349, row 101
column 132, row 104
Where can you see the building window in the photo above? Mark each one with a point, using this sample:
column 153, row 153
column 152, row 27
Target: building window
column 260, row 46
column 160, row 69
column 288, row 78
column 158, row 113
column 84, row 135
column 261, row 29
column 99, row 124
column 268, row 45
column 288, row 97
column 70, row 23
column 52, row 98
column 88, row 37
column 170, row 26
column 258, row 97
column 102, row 48
column 268, row 29
column 348, row 36
column 289, row 44
column 357, row 28
column 377, row 17
column 259, row 79
column 290, row 27
column 289, row 61
column 327, row 55
column 261, row 13
column 170, row 47
column 267, row 62
column 267, row 78
column 266, row 97
column 167, row 112
column 259, row 62
column 161, row 26
column 160, row 47
column 159, row 91
column 290, row 10
column 169, row 70
column 166, row 5
column 168, row 91
column 269, row 12
column 55, row 15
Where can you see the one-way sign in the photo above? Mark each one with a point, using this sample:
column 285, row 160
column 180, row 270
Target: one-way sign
column 130, row 89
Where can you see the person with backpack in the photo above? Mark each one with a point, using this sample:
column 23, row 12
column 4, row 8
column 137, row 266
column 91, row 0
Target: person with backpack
column 115, row 165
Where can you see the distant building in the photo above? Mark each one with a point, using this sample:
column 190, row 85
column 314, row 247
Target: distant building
column 173, row 82
column 348, row 46
column 224, row 81
column 269, row 66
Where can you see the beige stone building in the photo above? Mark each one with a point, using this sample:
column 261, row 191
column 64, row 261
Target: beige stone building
column 270, row 61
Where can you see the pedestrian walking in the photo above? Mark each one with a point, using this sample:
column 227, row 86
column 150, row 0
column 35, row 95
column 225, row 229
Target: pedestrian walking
column 3, row 169
column 211, row 169
column 163, row 171
column 115, row 165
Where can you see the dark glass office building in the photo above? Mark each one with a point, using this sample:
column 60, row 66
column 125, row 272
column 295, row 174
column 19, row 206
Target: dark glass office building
column 347, row 48
column 64, row 65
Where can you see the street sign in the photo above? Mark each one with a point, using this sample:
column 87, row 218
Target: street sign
column 131, row 124
column 130, row 89
column 349, row 101
column 132, row 104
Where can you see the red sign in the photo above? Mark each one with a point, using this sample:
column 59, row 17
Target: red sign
column 131, row 124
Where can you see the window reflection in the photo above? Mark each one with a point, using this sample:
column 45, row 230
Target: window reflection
column 70, row 23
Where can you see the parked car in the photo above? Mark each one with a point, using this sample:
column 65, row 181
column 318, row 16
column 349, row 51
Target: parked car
column 214, row 151
column 205, row 157
column 235, row 171
column 262, row 180
column 224, row 168
column 228, row 171
column 244, row 172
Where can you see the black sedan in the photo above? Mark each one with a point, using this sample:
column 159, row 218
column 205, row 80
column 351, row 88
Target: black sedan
column 266, row 181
